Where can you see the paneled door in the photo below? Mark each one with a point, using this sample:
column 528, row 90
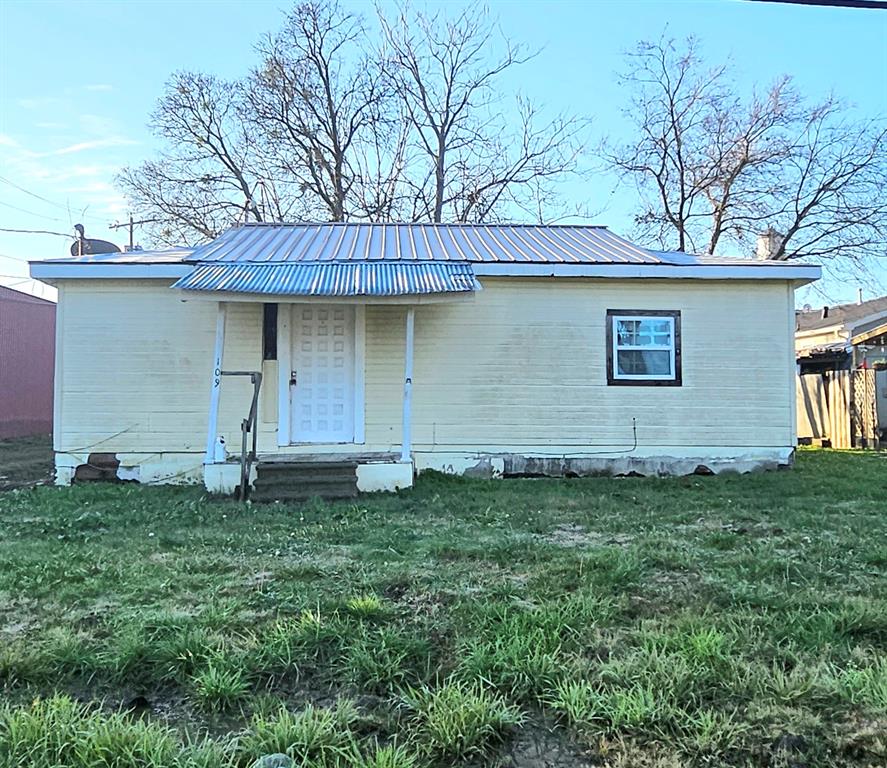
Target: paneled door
column 322, row 376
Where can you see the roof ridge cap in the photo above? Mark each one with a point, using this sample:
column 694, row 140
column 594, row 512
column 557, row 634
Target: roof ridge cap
column 443, row 224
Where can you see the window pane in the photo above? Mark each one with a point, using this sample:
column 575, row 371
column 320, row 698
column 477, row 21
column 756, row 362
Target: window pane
column 632, row 362
column 643, row 333
column 626, row 331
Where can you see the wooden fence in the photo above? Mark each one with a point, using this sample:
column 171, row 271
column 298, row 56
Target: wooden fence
column 838, row 408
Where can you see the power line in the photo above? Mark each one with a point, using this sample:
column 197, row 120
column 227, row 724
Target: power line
column 877, row 5
column 66, row 208
column 131, row 225
column 30, row 213
column 36, row 232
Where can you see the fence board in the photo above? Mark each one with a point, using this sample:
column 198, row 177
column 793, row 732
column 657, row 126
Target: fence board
column 813, row 418
column 840, row 432
column 865, row 409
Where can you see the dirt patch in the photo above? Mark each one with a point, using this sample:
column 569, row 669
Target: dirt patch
column 570, row 535
column 258, row 579
column 26, row 462
column 543, row 748
column 17, row 616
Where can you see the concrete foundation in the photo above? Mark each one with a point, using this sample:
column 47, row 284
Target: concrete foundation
column 147, row 468
column 520, row 465
column 223, row 478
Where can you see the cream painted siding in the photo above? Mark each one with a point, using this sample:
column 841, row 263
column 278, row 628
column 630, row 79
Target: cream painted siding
column 136, row 367
column 520, row 367
column 523, row 367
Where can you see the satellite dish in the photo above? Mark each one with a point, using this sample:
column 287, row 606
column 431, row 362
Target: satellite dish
column 87, row 246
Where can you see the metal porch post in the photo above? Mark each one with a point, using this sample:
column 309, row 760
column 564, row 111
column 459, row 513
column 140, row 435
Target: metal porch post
column 405, row 450
column 215, row 390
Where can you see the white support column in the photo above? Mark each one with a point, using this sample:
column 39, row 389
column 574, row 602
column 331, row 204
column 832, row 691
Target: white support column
column 215, row 391
column 405, row 450
column 284, row 367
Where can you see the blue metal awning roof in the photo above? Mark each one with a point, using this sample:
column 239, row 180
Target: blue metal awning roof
column 331, row 279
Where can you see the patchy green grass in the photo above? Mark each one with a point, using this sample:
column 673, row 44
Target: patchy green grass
column 737, row 620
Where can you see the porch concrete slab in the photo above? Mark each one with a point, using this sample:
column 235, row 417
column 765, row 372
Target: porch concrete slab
column 374, row 477
column 224, row 477
column 374, row 457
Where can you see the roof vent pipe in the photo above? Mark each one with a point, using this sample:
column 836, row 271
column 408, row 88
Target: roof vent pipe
column 824, row 313
column 859, row 295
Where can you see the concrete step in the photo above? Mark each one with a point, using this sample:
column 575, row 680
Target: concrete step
column 296, row 465
column 306, row 472
column 303, row 480
column 320, row 483
column 303, row 493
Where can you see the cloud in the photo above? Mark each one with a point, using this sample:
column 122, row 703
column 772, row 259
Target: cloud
column 98, row 126
column 82, row 171
column 83, row 146
column 40, row 103
column 90, row 188
column 99, row 87
column 70, row 164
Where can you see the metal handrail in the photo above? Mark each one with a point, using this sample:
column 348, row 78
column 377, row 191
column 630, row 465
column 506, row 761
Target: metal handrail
column 249, row 424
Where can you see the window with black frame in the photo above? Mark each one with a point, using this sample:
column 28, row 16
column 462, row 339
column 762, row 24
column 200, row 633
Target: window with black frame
column 643, row 347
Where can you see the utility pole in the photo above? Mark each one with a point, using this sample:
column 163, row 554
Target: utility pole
column 131, row 225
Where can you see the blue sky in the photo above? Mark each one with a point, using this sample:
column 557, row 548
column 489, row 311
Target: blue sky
column 79, row 79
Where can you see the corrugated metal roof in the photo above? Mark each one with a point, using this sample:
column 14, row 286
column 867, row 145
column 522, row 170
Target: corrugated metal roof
column 336, row 279
column 353, row 242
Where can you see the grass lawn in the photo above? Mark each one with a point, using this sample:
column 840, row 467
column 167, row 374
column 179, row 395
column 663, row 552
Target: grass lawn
column 738, row 620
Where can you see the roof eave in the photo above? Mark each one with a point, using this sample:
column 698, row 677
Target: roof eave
column 797, row 274
column 49, row 272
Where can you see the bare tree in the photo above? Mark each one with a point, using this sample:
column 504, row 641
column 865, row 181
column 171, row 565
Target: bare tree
column 206, row 176
column 712, row 168
column 320, row 102
column 467, row 160
column 329, row 127
column 838, row 203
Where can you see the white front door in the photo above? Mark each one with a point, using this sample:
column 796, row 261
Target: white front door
column 322, row 377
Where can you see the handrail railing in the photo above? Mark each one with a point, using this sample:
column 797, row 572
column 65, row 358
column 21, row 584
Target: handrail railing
column 249, row 424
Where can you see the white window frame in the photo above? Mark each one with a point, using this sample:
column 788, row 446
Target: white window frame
column 614, row 317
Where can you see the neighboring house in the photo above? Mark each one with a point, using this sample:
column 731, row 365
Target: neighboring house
column 842, row 367
column 27, row 359
column 492, row 349
column 843, row 337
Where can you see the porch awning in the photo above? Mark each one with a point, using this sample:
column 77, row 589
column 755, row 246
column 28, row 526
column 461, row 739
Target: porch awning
column 331, row 278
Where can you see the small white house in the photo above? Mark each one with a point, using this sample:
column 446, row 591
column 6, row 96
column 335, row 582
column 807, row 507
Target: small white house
column 491, row 349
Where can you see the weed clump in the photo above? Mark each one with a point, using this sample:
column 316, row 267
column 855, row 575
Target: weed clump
column 461, row 720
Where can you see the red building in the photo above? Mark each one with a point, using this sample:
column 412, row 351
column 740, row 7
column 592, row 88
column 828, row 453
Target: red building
column 27, row 361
